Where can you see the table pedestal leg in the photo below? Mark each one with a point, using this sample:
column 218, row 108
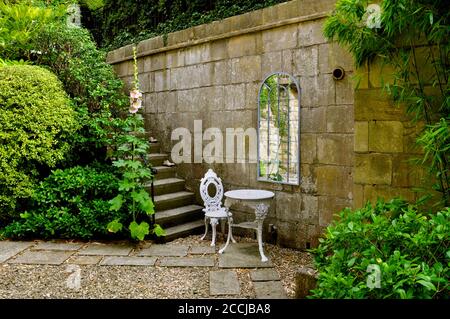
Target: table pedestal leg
column 260, row 242
column 229, row 237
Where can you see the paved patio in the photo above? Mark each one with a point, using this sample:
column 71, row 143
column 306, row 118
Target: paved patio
column 223, row 269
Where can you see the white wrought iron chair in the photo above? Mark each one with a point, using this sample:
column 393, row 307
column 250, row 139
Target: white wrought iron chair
column 213, row 204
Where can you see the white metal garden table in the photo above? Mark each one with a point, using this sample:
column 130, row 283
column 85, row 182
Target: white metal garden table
column 257, row 199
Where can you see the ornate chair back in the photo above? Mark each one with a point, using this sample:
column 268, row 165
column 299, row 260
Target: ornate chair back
column 212, row 203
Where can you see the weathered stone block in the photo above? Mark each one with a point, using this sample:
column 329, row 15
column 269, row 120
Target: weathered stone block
column 222, row 72
column 280, row 38
column 335, row 149
column 345, row 90
column 310, row 32
column 306, row 61
column 305, row 280
column 288, row 207
column 329, row 206
column 313, row 120
column 242, row 45
column 373, row 192
column 334, row 181
column 358, row 196
column 405, row 173
column 162, row 80
column 234, row 97
column 307, row 7
column 150, row 44
column 219, row 50
column 309, row 210
column 373, row 104
column 386, row 136
column 308, row 148
column 197, row 54
column 291, row 234
column 287, row 64
column 166, row 101
column 361, row 136
column 155, row 62
column 332, row 55
column 271, row 62
column 340, row 119
column 175, row 58
column 246, row 69
column 251, row 97
column 317, row 91
column 373, row 169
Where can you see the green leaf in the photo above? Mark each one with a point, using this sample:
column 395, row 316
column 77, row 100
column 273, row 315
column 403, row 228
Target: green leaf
column 126, row 185
column 158, row 231
column 25, row 215
column 139, row 230
column 144, row 200
column 114, row 226
column 351, row 262
column 116, row 203
column 427, row 284
column 350, row 225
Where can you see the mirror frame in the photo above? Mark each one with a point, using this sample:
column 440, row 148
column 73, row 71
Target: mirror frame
column 296, row 82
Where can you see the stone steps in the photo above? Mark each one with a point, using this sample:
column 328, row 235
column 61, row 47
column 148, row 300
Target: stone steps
column 174, row 206
column 186, row 229
column 164, row 172
column 173, row 200
column 168, row 185
column 183, row 214
column 157, row 159
column 154, row 148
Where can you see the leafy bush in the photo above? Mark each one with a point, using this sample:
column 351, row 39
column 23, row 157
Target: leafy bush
column 91, row 82
column 20, row 23
column 70, row 203
column 36, row 118
column 411, row 249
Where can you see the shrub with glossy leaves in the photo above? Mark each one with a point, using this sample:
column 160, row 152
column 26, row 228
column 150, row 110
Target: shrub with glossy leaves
column 70, row 203
column 410, row 250
column 36, row 118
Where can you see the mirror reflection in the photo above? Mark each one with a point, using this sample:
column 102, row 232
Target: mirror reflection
column 279, row 129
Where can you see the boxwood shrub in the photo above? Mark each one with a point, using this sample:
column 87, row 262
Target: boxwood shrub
column 36, row 118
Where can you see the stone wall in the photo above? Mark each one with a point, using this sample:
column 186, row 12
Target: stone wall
column 384, row 142
column 212, row 73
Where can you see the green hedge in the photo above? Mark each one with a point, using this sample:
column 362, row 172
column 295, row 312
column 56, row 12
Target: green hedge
column 408, row 251
column 36, row 119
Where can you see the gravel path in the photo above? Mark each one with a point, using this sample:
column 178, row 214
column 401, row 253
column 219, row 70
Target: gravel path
column 44, row 281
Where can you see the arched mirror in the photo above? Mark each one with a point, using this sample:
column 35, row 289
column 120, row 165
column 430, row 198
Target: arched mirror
column 279, row 129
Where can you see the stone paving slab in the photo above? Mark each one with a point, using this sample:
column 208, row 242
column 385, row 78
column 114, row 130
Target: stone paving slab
column 128, row 261
column 98, row 249
column 202, row 250
column 42, row 257
column 84, row 260
column 187, row 262
column 242, row 255
column 269, row 290
column 223, row 282
column 9, row 249
column 57, row 246
column 264, row 275
column 165, row 251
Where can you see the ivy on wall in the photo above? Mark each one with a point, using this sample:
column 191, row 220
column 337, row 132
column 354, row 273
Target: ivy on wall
column 122, row 22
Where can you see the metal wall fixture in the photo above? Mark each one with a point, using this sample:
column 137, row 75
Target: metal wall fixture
column 338, row 73
column 279, row 129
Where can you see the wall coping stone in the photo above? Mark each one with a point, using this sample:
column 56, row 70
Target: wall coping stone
column 255, row 21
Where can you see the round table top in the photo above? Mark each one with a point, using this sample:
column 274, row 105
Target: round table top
column 249, row 194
